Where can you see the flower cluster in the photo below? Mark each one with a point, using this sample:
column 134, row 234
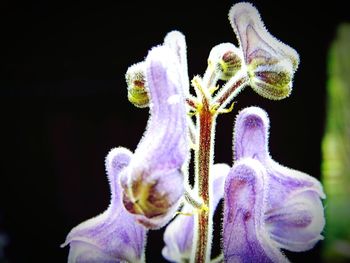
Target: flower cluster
column 267, row 207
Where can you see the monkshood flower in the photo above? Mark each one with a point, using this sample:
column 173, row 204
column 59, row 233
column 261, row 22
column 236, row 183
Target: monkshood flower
column 267, row 207
column 140, row 181
column 158, row 161
column 112, row 236
column 178, row 235
column 270, row 63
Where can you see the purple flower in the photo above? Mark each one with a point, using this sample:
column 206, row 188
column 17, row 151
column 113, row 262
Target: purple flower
column 267, row 207
column 164, row 149
column 178, row 235
column 270, row 63
column 140, row 182
column 114, row 235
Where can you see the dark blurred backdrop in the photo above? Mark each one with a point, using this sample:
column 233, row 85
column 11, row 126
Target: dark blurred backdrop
column 64, row 105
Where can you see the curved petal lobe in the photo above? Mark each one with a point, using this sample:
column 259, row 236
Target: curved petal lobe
column 294, row 215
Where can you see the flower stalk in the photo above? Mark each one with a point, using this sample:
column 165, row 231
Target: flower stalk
column 204, row 161
column 207, row 111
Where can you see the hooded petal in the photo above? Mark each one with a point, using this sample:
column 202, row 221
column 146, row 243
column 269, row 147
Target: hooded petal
column 114, row 235
column 293, row 213
column 271, row 63
column 164, row 148
column 178, row 235
column 245, row 236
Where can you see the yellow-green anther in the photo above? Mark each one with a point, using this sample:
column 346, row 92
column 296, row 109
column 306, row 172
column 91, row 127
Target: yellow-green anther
column 137, row 90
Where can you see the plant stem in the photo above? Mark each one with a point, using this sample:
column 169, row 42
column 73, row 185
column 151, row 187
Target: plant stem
column 207, row 111
column 204, row 161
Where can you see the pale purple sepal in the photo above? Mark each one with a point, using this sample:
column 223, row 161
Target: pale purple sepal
column 293, row 214
column 164, row 148
column 114, row 235
column 178, row 235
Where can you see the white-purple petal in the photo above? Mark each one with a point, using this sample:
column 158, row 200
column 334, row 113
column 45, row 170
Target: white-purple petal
column 113, row 235
column 294, row 203
column 296, row 226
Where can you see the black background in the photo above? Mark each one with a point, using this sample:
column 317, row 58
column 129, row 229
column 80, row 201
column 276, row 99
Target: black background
column 64, row 105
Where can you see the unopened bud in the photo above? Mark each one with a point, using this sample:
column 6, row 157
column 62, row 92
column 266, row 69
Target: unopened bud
column 271, row 64
column 137, row 91
column 272, row 81
column 225, row 59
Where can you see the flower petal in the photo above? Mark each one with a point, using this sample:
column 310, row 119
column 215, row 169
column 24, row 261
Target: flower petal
column 164, row 148
column 113, row 235
column 296, row 226
column 245, row 237
column 294, row 213
column 178, row 235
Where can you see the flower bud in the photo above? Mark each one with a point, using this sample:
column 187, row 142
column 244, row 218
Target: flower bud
column 137, row 91
column 225, row 59
column 272, row 81
column 270, row 63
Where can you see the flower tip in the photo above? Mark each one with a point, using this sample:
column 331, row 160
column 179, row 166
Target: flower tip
column 173, row 37
column 116, row 157
column 252, row 116
column 64, row 244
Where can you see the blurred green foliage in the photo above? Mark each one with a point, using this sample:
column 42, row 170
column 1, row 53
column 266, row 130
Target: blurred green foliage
column 336, row 150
